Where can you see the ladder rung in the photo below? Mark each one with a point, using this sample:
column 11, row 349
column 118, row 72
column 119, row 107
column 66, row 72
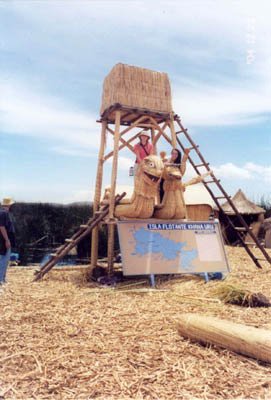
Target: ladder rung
column 223, row 197
column 54, row 254
column 242, row 228
column 217, row 181
column 84, row 226
column 202, row 165
column 98, row 212
column 261, row 259
column 69, row 240
column 182, row 130
column 193, row 147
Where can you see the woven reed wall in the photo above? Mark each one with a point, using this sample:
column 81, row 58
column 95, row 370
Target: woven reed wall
column 136, row 87
column 198, row 212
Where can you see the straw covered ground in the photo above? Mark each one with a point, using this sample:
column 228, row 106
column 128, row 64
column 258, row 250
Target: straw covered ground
column 64, row 338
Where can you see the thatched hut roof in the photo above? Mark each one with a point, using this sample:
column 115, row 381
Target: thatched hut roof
column 243, row 205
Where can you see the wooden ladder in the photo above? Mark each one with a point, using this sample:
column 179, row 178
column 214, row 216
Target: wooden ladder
column 215, row 183
column 75, row 239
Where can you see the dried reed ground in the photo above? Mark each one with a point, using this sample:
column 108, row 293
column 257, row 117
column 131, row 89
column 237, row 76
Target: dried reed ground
column 63, row 338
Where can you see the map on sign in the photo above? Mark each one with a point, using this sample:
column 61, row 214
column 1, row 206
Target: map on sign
column 164, row 247
column 155, row 247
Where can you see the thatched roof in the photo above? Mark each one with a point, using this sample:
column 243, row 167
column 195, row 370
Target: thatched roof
column 243, row 205
column 197, row 194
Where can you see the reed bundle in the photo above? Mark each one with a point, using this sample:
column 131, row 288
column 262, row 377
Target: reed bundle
column 136, row 87
column 232, row 294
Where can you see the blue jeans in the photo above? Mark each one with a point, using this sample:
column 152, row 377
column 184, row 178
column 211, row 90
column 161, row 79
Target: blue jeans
column 4, row 260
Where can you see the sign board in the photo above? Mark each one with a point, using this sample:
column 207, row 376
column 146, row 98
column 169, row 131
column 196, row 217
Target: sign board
column 161, row 247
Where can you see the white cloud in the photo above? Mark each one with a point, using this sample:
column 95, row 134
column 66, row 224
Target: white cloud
column 209, row 105
column 24, row 112
column 259, row 171
column 202, row 45
column 73, row 151
column 208, row 33
column 231, row 171
column 249, row 171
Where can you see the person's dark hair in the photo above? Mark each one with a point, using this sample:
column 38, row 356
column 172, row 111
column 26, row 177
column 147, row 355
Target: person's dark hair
column 179, row 158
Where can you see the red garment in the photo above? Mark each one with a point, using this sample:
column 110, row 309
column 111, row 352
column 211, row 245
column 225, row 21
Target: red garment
column 144, row 151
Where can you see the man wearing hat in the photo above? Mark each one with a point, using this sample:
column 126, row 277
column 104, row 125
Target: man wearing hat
column 143, row 149
column 7, row 237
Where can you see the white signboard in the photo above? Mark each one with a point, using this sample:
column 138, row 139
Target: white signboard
column 162, row 247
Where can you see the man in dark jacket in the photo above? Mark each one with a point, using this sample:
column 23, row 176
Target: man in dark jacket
column 7, row 237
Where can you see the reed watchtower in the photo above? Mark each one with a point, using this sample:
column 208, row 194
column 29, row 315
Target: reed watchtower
column 133, row 99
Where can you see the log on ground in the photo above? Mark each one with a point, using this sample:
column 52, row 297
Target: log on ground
column 242, row 339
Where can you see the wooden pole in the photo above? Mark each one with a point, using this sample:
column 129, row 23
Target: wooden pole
column 173, row 132
column 243, row 339
column 114, row 165
column 111, row 228
column 97, row 196
column 152, row 139
column 160, row 131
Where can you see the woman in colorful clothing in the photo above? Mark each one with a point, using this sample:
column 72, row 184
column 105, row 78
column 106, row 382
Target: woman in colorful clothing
column 142, row 149
column 180, row 162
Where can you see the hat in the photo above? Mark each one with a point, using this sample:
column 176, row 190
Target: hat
column 8, row 201
column 145, row 133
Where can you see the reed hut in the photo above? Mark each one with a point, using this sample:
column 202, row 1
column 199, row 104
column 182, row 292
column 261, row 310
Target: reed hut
column 252, row 214
column 267, row 231
column 199, row 204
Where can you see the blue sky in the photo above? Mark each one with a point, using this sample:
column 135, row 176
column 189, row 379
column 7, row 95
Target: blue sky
column 56, row 54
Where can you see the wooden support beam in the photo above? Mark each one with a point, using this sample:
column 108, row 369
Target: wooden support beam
column 133, row 125
column 173, row 133
column 144, row 125
column 97, row 196
column 124, row 142
column 152, row 139
column 110, row 243
column 114, row 165
column 110, row 247
column 121, row 146
column 167, row 138
column 159, row 128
